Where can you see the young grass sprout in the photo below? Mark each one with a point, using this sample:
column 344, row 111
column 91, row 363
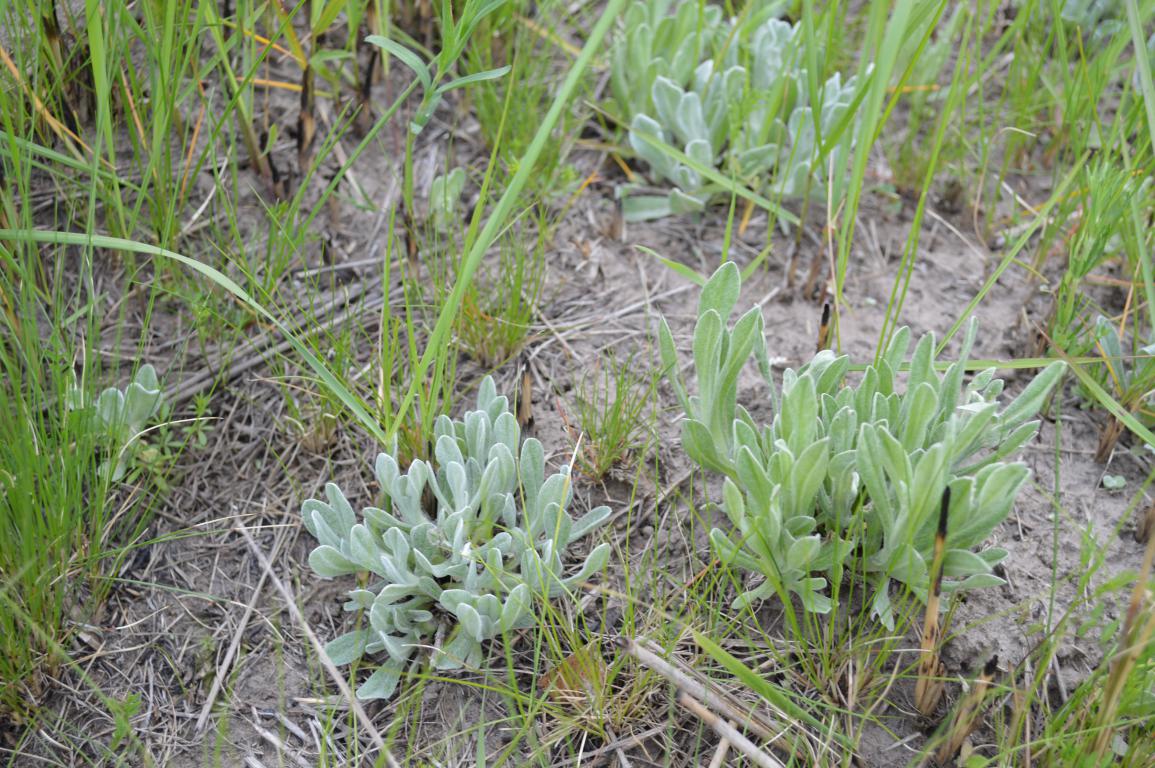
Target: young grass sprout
column 611, row 406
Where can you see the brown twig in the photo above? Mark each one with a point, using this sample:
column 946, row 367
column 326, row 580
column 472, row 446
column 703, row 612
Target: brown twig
column 967, row 716
column 728, row 732
column 1136, row 634
column 719, row 758
column 229, row 365
column 824, row 328
column 1146, row 528
column 306, row 119
column 326, row 662
column 764, row 728
column 223, row 669
column 928, row 690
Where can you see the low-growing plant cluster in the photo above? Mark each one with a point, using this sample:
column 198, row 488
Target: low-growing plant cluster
column 732, row 95
column 1127, row 373
column 610, row 408
column 1099, row 22
column 463, row 545
column 852, row 469
column 351, row 204
column 1109, row 239
column 120, row 416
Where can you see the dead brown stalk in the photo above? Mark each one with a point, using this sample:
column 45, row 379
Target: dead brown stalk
column 967, row 716
column 929, row 688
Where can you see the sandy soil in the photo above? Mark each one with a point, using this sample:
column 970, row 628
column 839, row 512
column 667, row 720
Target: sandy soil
column 196, row 590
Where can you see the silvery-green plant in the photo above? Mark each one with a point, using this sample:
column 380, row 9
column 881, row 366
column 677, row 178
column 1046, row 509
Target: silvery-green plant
column 852, row 467
column 729, row 95
column 655, row 42
column 121, row 416
column 1099, row 21
column 1127, row 373
column 445, row 200
column 469, row 569
column 1130, row 376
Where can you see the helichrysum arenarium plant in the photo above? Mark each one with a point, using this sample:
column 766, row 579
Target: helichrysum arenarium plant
column 122, row 415
column 852, row 467
column 1127, row 373
column 731, row 95
column 469, row 569
column 1099, row 21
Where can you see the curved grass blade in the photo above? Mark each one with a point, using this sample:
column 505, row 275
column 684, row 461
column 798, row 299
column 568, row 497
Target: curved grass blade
column 335, row 385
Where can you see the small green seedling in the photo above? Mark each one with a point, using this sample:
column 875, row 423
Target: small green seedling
column 1114, row 482
column 121, row 417
column 852, row 467
column 463, row 545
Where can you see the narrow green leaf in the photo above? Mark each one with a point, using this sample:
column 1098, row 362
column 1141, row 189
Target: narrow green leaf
column 477, row 77
column 676, row 266
column 405, row 56
column 778, row 697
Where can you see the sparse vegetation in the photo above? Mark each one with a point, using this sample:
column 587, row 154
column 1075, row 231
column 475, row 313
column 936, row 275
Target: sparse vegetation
column 244, row 246
column 120, row 417
column 611, row 405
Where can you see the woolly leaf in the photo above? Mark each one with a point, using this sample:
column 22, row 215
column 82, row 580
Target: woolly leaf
column 348, row 647
column 382, row 683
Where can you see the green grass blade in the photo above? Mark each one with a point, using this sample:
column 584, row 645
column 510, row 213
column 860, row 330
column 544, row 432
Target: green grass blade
column 1024, row 238
column 871, row 115
column 438, row 340
column 335, row 385
column 756, row 683
column 1104, row 398
column 726, row 183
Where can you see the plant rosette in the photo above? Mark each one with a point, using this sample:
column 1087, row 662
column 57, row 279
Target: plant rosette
column 469, row 569
column 852, row 469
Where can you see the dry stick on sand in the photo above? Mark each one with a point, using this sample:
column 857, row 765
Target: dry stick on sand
column 928, row 690
column 720, row 753
column 326, row 662
column 769, row 730
column 728, row 732
column 231, row 363
column 223, row 670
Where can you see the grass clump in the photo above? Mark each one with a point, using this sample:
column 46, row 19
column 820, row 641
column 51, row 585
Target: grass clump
column 498, row 311
column 610, row 407
column 58, row 528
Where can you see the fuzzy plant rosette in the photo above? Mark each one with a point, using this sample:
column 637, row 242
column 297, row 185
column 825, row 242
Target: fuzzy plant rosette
column 731, row 95
column 120, row 418
column 852, row 469
column 466, row 571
